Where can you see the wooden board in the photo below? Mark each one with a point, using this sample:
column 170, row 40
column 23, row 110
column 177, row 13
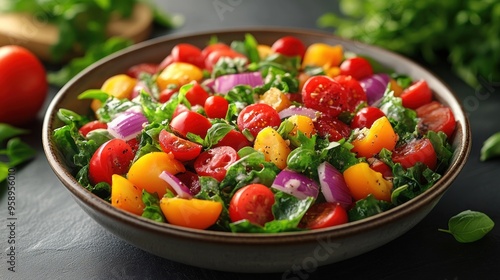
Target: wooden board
column 27, row 31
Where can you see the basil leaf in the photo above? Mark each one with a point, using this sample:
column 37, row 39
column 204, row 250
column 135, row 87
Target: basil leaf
column 152, row 210
column 469, row 226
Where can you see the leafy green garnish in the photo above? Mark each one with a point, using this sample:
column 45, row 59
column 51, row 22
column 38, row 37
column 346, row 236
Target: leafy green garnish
column 443, row 149
column 469, row 226
column 491, row 147
column 402, row 119
column 367, row 207
column 15, row 150
column 152, row 209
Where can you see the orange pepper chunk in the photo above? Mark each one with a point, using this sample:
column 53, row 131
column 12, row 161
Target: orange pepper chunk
column 371, row 141
column 362, row 181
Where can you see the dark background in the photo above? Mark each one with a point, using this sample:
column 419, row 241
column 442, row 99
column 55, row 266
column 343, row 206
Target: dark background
column 55, row 239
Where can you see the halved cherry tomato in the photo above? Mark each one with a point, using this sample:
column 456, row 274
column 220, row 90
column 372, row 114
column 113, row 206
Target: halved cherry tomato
column 332, row 128
column 188, row 53
column 436, row 117
column 215, row 162
column 136, row 70
column 323, row 215
column 216, row 106
column 289, row 46
column 112, row 157
column 356, row 94
column 216, row 54
column 191, row 180
column 93, row 125
column 357, row 67
column 380, row 166
column 190, row 121
column 256, row 117
column 416, row 95
column 191, row 213
column 197, row 95
column 253, row 203
column 366, row 116
column 182, row 149
column 418, row 150
column 213, row 47
column 326, row 95
column 235, row 140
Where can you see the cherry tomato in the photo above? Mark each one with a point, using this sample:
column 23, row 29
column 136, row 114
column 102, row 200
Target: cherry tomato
column 213, row 47
column 112, row 157
column 334, row 128
column 416, row 95
column 381, row 167
column 182, row 149
column 289, row 46
column 93, row 125
column 366, row 116
column 136, row 70
column 216, row 106
column 196, row 95
column 253, row 203
column 356, row 94
column 326, row 95
column 23, row 83
column 191, row 180
column 216, row 54
column 166, row 62
column 357, row 67
column 435, row 116
column 189, row 121
column 167, row 93
column 323, row 215
column 179, row 109
column 214, row 162
column 257, row 116
column 235, row 140
column 418, row 150
column 187, row 53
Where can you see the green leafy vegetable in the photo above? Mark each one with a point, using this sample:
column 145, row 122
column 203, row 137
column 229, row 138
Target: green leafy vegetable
column 491, row 147
column 15, row 152
column 469, row 226
column 152, row 210
column 367, row 207
column 428, row 29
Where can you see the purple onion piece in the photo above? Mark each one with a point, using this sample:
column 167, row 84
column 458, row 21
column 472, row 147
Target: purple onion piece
column 375, row 86
column 181, row 190
column 225, row 83
column 294, row 110
column 296, row 184
column 127, row 125
column 333, row 185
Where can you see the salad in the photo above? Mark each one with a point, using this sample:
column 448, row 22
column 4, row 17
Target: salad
column 245, row 137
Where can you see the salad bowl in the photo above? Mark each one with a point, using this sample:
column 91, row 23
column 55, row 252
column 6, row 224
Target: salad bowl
column 250, row 252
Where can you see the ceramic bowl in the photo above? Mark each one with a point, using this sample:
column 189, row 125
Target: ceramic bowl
column 251, row 252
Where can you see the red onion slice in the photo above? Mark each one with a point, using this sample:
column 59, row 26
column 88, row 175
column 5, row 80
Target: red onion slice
column 179, row 187
column 127, row 125
column 294, row 110
column 333, row 185
column 225, row 83
column 296, row 184
column 375, row 86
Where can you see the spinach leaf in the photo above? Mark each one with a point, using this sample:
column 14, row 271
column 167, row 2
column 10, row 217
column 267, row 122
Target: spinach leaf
column 469, row 226
column 403, row 120
column 152, row 208
column 367, row 207
column 443, row 148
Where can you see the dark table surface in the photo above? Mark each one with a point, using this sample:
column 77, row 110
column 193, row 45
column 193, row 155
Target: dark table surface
column 55, row 239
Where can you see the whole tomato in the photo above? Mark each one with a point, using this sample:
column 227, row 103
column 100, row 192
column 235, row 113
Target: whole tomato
column 23, row 85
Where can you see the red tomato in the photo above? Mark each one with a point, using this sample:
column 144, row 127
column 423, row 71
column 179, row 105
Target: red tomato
column 323, row 215
column 196, row 95
column 356, row 93
column 136, row 70
column 418, row 150
column 23, row 87
column 213, row 47
column 436, row 117
column 366, row 116
column 235, row 140
column 253, row 203
column 191, row 180
column 112, row 157
column 179, row 109
column 289, row 46
column 325, row 95
column 214, row 162
column 357, row 67
column 188, row 53
column 257, row 116
column 416, row 95
column 93, row 125
column 134, row 144
column 189, row 121
column 216, row 54
column 166, row 94
column 216, row 106
column 331, row 127
column 380, row 167
column 182, row 149
column 166, row 62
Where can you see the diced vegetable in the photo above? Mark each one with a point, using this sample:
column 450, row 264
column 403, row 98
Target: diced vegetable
column 333, row 185
column 296, row 184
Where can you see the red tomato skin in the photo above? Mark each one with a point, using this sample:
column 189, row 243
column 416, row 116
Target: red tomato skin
column 256, row 117
column 365, row 117
column 136, row 70
column 253, row 203
column 235, row 140
column 380, row 167
column 326, row 95
column 323, row 215
column 419, row 150
column 166, row 94
column 182, row 149
column 436, row 117
column 216, row 54
column 334, row 128
column 24, row 85
column 289, row 46
column 416, row 95
column 197, row 95
column 191, row 180
column 357, row 67
column 214, row 162
column 356, row 93
column 188, row 53
column 189, row 121
column 166, row 62
column 112, row 157
column 93, row 125
column 213, row 47
column 216, row 106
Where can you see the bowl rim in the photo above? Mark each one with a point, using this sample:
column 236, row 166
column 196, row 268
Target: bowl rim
column 370, row 223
